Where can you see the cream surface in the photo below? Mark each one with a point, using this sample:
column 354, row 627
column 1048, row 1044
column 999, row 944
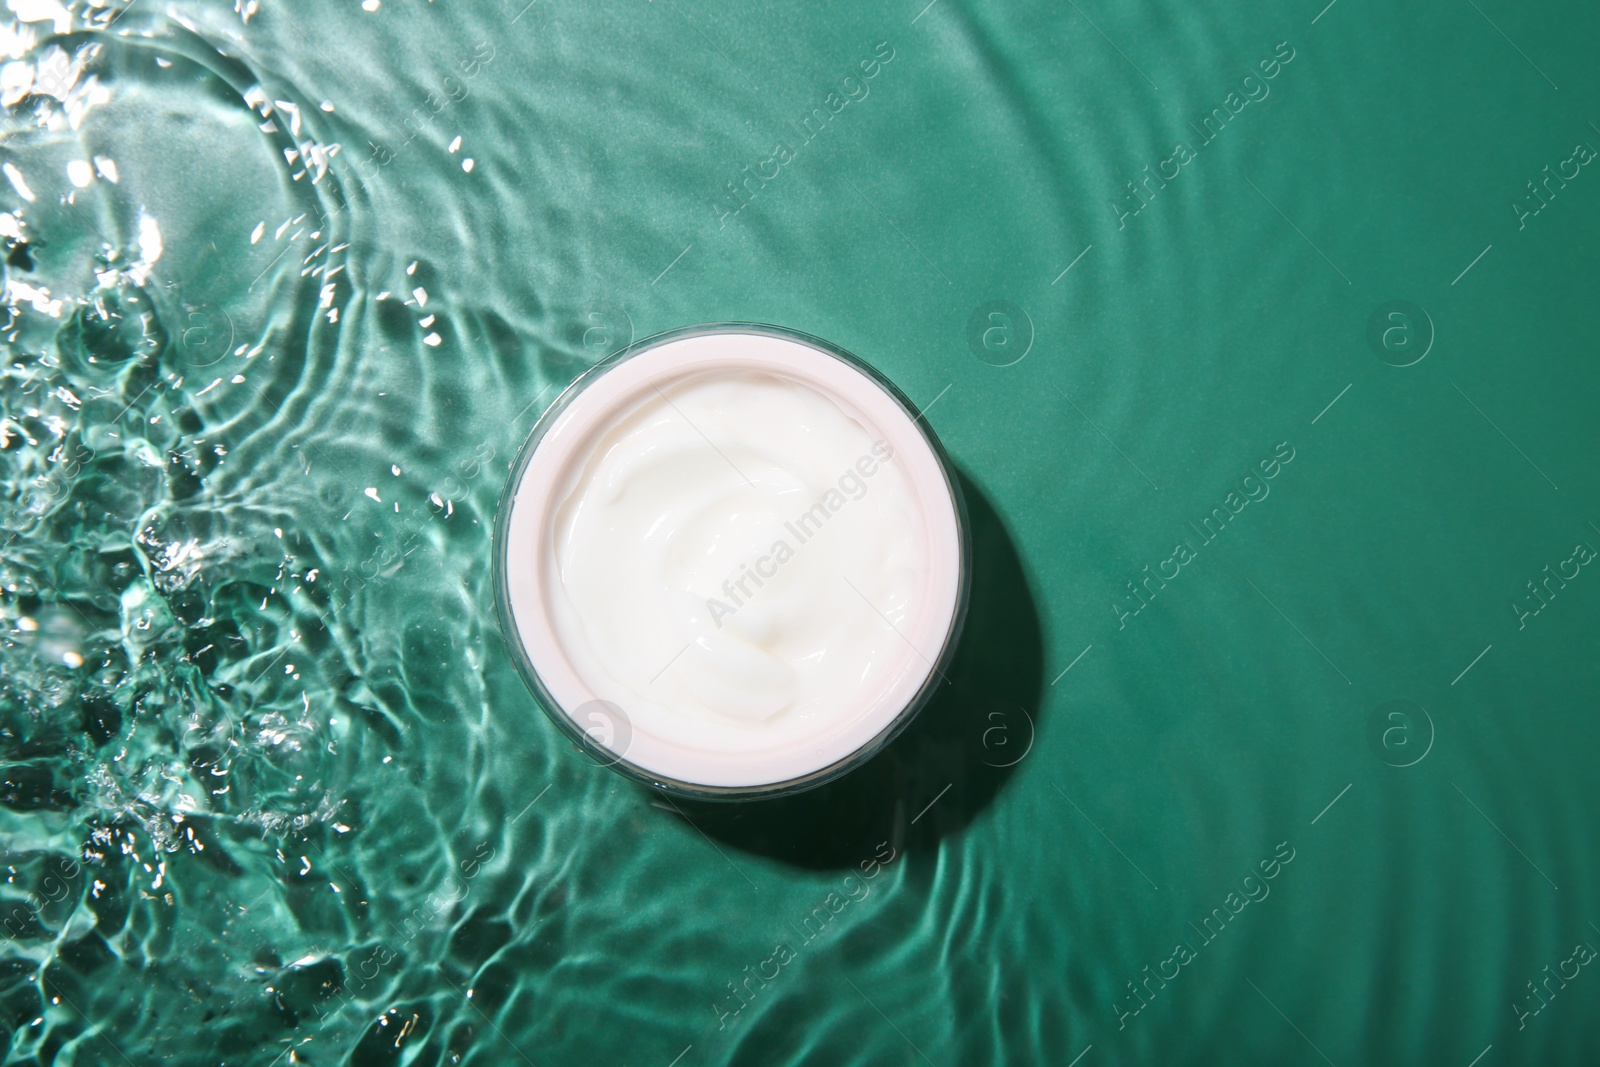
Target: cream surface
column 734, row 560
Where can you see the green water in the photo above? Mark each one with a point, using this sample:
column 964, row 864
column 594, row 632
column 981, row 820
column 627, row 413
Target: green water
column 273, row 792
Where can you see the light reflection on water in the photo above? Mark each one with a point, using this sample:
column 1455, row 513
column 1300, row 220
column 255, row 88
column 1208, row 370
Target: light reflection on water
column 285, row 286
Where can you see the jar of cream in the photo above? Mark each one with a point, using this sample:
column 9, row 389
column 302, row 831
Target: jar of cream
column 732, row 561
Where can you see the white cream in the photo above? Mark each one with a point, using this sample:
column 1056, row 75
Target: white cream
column 720, row 555
column 746, row 545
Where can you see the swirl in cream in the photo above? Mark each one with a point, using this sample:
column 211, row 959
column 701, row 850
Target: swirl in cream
column 735, row 554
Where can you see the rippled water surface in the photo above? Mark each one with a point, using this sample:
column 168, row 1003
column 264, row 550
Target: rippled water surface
column 1262, row 337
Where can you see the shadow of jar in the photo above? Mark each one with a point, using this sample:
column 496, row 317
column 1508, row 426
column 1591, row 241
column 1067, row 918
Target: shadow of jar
column 947, row 766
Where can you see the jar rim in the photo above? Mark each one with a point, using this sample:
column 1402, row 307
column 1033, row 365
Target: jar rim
column 564, row 434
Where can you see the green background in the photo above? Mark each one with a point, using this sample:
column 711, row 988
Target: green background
column 273, row 791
